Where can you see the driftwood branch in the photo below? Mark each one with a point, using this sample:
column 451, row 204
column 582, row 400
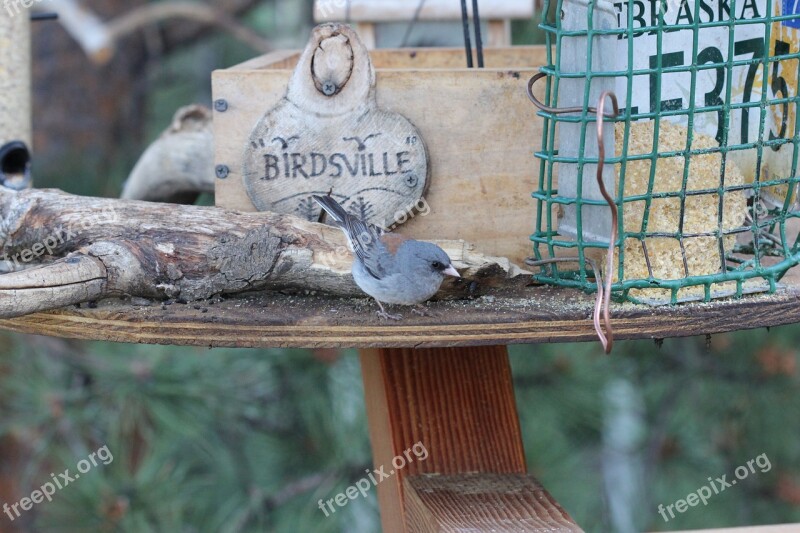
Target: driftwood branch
column 99, row 39
column 179, row 165
column 95, row 248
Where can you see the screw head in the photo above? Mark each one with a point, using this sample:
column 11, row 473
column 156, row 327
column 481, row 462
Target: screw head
column 328, row 88
column 221, row 105
column 222, row 171
column 411, row 180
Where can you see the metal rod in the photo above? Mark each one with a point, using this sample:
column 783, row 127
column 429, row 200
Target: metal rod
column 412, row 23
column 478, row 40
column 37, row 17
column 467, row 43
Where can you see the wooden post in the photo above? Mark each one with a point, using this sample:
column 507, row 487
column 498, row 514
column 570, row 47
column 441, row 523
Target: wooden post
column 459, row 404
column 15, row 125
column 499, row 33
column 15, row 88
column 366, row 30
column 15, row 77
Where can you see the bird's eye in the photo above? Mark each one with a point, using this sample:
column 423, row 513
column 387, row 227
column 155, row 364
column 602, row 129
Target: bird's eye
column 437, row 265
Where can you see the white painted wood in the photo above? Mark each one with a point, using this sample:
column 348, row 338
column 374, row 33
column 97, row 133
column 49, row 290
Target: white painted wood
column 403, row 10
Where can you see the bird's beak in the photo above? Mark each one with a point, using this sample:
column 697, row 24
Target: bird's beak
column 451, row 271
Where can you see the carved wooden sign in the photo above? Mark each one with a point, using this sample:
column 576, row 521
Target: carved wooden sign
column 327, row 135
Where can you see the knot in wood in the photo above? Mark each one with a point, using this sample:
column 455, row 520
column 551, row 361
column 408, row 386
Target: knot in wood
column 332, row 64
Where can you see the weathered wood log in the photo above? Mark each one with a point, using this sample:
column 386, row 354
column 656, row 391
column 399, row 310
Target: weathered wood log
column 179, row 165
column 105, row 248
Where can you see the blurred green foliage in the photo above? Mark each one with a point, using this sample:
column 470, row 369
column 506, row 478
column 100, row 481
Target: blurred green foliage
column 202, row 440
column 706, row 410
column 250, row 440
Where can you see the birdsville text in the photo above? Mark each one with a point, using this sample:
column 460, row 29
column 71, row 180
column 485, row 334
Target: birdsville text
column 336, row 165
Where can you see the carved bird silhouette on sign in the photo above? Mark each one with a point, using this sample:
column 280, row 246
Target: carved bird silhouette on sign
column 285, row 142
column 362, row 145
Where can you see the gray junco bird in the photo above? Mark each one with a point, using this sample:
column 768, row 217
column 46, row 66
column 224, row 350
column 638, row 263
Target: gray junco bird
column 389, row 267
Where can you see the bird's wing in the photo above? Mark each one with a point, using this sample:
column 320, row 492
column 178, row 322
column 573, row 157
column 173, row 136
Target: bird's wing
column 365, row 239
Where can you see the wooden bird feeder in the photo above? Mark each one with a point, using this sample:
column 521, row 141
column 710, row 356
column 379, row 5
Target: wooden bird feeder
column 382, row 131
column 478, row 155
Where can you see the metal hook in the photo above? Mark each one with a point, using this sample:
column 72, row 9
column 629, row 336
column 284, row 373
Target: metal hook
column 557, row 110
column 601, row 160
column 603, row 301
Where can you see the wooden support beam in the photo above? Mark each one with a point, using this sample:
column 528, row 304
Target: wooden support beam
column 456, row 402
column 501, row 503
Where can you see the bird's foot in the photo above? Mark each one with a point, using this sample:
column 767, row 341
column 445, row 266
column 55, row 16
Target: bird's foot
column 387, row 316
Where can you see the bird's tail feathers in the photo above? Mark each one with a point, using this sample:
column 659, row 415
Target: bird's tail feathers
column 332, row 207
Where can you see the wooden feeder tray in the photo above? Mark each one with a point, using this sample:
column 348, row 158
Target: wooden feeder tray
column 480, row 155
column 519, row 315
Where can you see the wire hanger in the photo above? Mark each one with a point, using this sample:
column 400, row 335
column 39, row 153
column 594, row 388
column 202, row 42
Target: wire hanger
column 478, row 39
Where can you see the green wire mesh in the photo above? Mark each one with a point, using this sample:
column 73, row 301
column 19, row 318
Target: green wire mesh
column 753, row 255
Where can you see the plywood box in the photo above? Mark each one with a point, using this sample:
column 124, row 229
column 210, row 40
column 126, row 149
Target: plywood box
column 480, row 129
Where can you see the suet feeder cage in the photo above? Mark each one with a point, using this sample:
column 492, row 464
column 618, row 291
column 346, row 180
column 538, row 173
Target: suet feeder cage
column 700, row 161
